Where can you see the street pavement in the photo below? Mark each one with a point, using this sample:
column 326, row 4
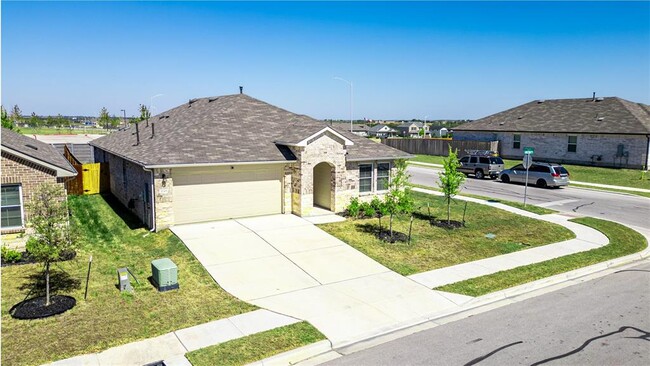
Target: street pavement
column 605, row 321
column 624, row 208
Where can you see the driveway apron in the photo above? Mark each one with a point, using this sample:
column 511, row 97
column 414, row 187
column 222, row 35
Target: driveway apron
column 288, row 265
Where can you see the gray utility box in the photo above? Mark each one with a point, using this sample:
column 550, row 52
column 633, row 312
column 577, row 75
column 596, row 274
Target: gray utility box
column 164, row 274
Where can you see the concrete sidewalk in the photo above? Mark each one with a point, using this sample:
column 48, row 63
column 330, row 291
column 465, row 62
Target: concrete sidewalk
column 171, row 347
column 586, row 239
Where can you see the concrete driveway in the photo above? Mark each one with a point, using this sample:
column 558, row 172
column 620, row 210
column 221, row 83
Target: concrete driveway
column 286, row 264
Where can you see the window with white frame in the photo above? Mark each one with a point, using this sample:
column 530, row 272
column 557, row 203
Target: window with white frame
column 516, row 142
column 12, row 207
column 383, row 176
column 573, row 144
column 365, row 177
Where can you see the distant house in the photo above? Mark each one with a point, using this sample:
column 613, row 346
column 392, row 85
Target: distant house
column 181, row 168
column 360, row 130
column 412, row 129
column 26, row 163
column 381, row 131
column 596, row 131
column 438, row 131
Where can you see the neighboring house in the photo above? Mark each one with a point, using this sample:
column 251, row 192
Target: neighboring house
column 381, row 131
column 26, row 163
column 412, row 129
column 181, row 168
column 596, row 131
column 439, row 131
column 360, row 130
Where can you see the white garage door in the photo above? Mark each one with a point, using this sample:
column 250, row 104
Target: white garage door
column 216, row 193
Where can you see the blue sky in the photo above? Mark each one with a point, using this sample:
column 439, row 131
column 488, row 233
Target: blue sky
column 406, row 60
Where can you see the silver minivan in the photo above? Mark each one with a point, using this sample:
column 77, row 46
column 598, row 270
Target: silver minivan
column 540, row 174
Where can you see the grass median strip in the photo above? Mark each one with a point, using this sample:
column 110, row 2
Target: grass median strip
column 109, row 318
column 434, row 247
column 530, row 208
column 622, row 241
column 257, row 346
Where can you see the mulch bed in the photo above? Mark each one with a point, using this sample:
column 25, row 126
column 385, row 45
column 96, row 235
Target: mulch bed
column 27, row 258
column 453, row 224
column 35, row 308
column 397, row 236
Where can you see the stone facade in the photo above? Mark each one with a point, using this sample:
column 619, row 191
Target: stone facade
column 591, row 149
column 29, row 176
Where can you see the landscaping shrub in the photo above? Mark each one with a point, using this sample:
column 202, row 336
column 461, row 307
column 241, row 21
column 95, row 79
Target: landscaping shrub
column 354, row 208
column 368, row 210
column 10, row 255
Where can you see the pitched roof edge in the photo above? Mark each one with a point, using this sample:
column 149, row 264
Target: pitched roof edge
column 62, row 172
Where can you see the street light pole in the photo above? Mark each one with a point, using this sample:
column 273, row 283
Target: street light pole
column 124, row 118
column 351, row 95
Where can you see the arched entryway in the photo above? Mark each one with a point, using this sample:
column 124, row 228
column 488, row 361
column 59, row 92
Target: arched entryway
column 323, row 197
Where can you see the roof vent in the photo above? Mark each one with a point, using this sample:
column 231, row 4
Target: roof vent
column 192, row 101
column 541, row 101
column 520, row 117
column 600, row 99
column 212, row 99
column 501, row 123
column 593, row 97
column 241, row 89
column 600, row 118
column 31, row 146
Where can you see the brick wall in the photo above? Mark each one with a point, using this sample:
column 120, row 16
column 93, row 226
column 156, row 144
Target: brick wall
column 553, row 147
column 16, row 170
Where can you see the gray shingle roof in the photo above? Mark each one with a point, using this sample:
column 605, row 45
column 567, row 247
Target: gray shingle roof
column 609, row 115
column 35, row 149
column 376, row 128
column 226, row 129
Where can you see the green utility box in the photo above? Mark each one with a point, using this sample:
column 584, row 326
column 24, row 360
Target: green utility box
column 164, row 274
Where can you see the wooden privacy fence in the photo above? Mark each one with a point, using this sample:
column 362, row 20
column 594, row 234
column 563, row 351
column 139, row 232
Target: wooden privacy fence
column 91, row 178
column 439, row 147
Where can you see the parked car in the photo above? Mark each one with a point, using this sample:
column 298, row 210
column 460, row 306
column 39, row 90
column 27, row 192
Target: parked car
column 481, row 166
column 541, row 174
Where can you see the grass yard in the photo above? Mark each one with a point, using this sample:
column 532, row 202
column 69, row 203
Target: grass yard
column 61, row 131
column 108, row 318
column 622, row 241
column 433, row 247
column 619, row 177
column 256, row 347
column 530, row 208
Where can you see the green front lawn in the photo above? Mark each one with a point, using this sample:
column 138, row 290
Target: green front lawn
column 612, row 176
column 108, row 318
column 622, row 241
column 434, row 247
column 257, row 346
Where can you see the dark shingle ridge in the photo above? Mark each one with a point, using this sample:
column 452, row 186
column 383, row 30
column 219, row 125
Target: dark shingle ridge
column 224, row 129
column 608, row 115
column 35, row 149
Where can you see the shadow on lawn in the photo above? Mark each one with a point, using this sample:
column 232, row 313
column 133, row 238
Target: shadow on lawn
column 132, row 221
column 60, row 282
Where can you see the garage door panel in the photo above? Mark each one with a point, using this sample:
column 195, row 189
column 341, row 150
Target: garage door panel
column 222, row 193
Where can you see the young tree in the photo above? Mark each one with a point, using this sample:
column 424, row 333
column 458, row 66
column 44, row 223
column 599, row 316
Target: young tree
column 104, row 119
column 6, row 121
column 35, row 120
column 48, row 216
column 16, row 114
column 144, row 112
column 381, row 210
column 451, row 179
column 398, row 199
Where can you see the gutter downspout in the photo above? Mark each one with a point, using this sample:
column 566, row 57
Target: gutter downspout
column 153, row 200
column 647, row 154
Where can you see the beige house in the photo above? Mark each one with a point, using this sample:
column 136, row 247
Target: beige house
column 26, row 163
column 236, row 156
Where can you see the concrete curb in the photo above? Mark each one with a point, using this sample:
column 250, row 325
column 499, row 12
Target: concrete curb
column 296, row 355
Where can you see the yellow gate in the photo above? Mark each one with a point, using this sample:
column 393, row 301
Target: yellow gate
column 91, row 178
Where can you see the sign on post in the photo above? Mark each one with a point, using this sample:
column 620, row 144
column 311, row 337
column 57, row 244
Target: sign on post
column 529, row 150
column 528, row 161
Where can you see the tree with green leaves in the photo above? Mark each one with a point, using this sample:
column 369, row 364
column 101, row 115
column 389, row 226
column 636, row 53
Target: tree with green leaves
column 381, row 210
column 48, row 217
column 6, row 121
column 16, row 114
column 144, row 112
column 398, row 199
column 451, row 179
column 104, row 119
column 34, row 120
